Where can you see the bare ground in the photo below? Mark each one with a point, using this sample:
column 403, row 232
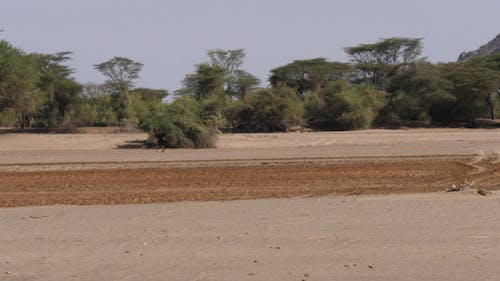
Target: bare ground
column 432, row 236
column 155, row 185
column 395, row 235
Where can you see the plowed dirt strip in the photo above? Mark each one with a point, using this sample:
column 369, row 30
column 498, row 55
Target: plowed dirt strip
column 138, row 186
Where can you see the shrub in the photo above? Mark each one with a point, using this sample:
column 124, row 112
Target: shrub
column 269, row 110
column 357, row 107
column 341, row 106
column 403, row 109
column 180, row 126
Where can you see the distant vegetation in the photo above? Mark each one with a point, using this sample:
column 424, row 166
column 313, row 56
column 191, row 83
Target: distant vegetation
column 386, row 84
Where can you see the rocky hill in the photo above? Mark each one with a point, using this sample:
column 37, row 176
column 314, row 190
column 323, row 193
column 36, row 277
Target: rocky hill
column 492, row 47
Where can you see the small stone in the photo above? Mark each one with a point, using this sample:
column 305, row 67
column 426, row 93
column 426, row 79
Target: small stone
column 371, row 267
column 483, row 192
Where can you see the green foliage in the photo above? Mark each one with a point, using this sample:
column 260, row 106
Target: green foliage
column 269, row 110
column 179, row 126
column 491, row 61
column 104, row 113
column 308, row 75
column 7, row 118
column 375, row 63
column 121, row 73
column 419, row 96
column 475, row 90
column 403, row 110
column 214, row 112
column 208, row 80
column 59, row 89
column 343, row 107
column 242, row 84
column 357, row 107
column 318, row 105
column 387, row 84
column 222, row 75
column 19, row 97
column 154, row 95
column 230, row 61
column 145, row 107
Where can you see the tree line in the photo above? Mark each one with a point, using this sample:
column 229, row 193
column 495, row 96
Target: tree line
column 385, row 84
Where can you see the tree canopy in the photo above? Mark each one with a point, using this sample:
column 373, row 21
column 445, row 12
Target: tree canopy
column 375, row 63
column 308, row 75
column 386, row 84
column 121, row 72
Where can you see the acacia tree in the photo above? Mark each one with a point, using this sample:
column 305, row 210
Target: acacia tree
column 237, row 82
column 121, row 73
column 206, row 81
column 58, row 87
column 243, row 83
column 308, row 75
column 491, row 62
column 18, row 76
column 230, row 60
column 376, row 63
column 418, row 94
column 472, row 87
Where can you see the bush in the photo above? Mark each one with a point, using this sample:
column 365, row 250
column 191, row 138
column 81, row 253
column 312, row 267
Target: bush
column 269, row 110
column 341, row 106
column 7, row 118
column 357, row 107
column 404, row 110
column 318, row 105
column 180, row 126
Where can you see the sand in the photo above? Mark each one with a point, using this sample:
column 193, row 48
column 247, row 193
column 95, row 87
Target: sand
column 90, row 148
column 430, row 236
column 341, row 206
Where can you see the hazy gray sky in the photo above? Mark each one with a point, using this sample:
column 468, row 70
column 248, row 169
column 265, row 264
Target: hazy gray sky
column 171, row 36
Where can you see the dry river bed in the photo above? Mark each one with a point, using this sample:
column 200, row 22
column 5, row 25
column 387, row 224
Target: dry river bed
column 264, row 180
column 351, row 206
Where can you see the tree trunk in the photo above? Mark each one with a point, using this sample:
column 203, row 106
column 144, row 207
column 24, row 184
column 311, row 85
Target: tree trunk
column 491, row 106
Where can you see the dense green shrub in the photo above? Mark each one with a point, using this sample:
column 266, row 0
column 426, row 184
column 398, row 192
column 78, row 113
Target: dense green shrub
column 269, row 110
column 341, row 106
column 357, row 107
column 179, row 126
column 403, row 110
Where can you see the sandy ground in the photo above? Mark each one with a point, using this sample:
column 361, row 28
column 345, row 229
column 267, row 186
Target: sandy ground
column 40, row 170
column 400, row 237
column 53, row 148
column 393, row 234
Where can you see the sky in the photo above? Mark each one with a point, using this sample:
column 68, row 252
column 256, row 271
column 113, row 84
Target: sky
column 171, row 36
